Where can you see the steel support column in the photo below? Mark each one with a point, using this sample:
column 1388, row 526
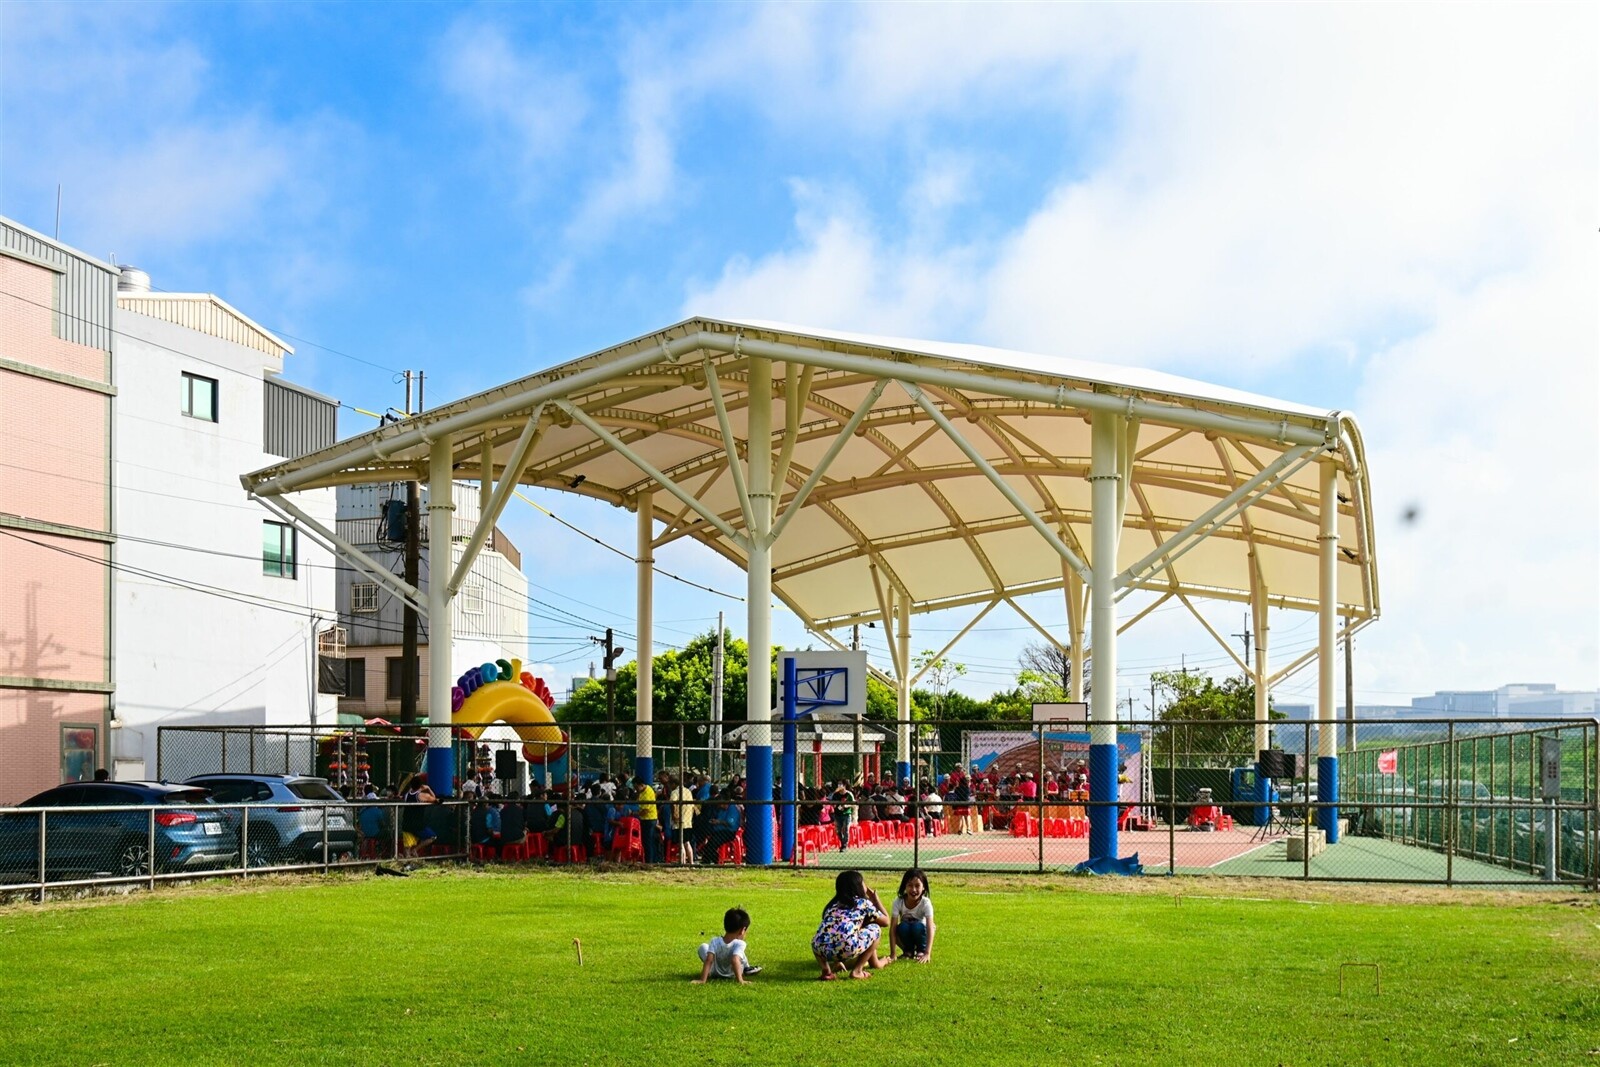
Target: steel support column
column 1327, row 624
column 441, row 512
column 903, row 753
column 644, row 705
column 1104, row 468
column 758, row 694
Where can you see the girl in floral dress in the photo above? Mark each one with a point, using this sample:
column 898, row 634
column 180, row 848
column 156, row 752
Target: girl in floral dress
column 851, row 923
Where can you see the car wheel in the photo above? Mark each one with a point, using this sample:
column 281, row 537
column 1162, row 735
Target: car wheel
column 133, row 861
column 261, row 853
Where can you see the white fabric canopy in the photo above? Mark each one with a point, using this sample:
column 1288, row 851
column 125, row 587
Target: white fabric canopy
column 906, row 511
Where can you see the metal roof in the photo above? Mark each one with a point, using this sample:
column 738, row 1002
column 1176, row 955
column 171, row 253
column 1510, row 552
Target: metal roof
column 918, row 502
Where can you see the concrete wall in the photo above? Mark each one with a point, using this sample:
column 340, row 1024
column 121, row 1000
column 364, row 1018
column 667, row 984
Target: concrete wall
column 203, row 636
column 56, row 521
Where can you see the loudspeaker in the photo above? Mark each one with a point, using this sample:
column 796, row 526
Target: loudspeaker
column 1276, row 763
column 505, row 764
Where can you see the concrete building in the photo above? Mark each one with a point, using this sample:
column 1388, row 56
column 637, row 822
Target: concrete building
column 220, row 608
column 57, row 517
column 1536, row 700
column 490, row 612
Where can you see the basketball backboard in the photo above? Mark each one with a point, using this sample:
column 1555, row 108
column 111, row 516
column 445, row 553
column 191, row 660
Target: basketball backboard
column 828, row 680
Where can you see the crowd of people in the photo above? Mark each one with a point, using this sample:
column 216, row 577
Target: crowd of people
column 695, row 820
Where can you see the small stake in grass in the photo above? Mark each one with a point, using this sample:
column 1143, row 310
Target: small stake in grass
column 1377, row 974
column 579, row 946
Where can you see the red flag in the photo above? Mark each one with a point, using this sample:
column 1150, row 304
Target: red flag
column 1386, row 762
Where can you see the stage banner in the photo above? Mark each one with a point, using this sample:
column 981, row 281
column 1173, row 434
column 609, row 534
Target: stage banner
column 1009, row 752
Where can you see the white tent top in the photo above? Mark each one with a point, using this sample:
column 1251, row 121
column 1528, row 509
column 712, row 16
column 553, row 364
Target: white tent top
column 1219, row 487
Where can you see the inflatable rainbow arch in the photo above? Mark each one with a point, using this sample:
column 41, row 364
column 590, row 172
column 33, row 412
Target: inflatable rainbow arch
column 503, row 692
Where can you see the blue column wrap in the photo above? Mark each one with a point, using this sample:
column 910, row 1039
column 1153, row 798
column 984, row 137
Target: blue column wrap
column 441, row 770
column 758, row 805
column 1328, row 793
column 1103, row 789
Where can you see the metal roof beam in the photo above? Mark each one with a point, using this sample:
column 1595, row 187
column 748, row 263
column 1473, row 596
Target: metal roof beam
column 1220, row 513
column 643, row 464
column 488, row 515
column 340, row 547
column 846, row 432
column 1289, row 429
column 996, row 480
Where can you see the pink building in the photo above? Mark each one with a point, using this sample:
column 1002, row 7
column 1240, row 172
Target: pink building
column 56, row 522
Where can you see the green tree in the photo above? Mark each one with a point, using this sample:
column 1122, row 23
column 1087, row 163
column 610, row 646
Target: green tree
column 1215, row 723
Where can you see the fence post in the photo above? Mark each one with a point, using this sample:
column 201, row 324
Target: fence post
column 1452, row 785
column 244, row 839
column 325, row 812
column 683, row 783
column 151, row 843
column 1305, row 811
column 1038, row 796
column 1172, row 801
column 43, row 867
column 252, row 750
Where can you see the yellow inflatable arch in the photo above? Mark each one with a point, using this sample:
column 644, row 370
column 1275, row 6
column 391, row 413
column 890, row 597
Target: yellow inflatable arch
column 503, row 692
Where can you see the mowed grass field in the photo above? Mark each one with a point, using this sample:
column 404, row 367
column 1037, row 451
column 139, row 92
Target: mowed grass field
column 460, row 966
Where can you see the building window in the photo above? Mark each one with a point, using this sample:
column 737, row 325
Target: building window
column 364, row 597
column 355, row 678
column 80, row 752
column 277, row 549
column 393, row 676
column 199, row 397
column 472, row 598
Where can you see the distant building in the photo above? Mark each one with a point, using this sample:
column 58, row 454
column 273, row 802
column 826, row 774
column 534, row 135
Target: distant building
column 139, row 586
column 490, row 612
column 1518, row 701
column 222, row 610
column 57, row 526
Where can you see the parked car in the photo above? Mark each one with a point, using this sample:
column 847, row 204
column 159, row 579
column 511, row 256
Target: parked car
column 109, row 836
column 286, row 816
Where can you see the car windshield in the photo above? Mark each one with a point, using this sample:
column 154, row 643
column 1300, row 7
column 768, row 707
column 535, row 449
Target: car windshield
column 313, row 790
column 185, row 796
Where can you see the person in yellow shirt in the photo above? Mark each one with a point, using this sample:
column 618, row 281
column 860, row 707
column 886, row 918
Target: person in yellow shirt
column 644, row 796
column 684, row 813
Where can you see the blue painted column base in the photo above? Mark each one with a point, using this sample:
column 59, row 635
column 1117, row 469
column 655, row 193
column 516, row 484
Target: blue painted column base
column 902, row 773
column 758, row 805
column 441, row 770
column 645, row 768
column 1328, row 793
column 1103, row 789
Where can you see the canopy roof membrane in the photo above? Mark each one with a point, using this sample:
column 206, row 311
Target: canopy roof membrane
column 958, row 474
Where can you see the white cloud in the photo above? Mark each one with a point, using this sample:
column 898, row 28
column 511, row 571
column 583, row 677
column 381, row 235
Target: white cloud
column 1286, row 192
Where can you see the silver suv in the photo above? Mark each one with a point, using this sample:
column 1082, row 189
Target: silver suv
column 286, row 816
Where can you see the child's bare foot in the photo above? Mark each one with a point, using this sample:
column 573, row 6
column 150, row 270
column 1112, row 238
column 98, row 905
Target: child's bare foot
column 860, row 974
column 825, row 976
column 881, row 963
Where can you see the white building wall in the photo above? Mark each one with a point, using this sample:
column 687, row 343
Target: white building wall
column 202, row 635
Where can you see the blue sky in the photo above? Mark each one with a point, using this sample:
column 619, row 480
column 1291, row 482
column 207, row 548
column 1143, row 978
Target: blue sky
column 1385, row 210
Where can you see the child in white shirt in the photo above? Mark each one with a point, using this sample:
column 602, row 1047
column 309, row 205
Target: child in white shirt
column 911, row 923
column 724, row 957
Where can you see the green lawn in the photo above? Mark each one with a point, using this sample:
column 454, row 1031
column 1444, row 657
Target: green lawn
column 461, row 966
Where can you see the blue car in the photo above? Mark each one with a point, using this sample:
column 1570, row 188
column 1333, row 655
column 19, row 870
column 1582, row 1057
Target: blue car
column 95, row 829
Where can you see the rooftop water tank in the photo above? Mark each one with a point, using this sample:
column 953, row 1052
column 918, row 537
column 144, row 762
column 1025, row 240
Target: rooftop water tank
column 133, row 280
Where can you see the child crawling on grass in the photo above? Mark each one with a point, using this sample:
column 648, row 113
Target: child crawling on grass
column 724, row 957
column 848, row 937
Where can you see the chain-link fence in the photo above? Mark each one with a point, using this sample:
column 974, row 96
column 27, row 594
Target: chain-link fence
column 1486, row 802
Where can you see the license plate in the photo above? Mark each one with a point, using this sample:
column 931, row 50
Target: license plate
column 213, row 829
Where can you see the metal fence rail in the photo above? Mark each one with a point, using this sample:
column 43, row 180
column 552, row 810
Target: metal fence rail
column 1451, row 802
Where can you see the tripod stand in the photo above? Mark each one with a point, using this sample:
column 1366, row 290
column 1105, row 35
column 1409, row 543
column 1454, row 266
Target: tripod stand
column 1279, row 820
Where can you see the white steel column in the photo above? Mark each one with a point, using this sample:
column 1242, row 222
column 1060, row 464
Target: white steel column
column 1327, row 624
column 758, row 694
column 905, row 758
column 441, row 547
column 1104, row 468
column 1258, row 612
column 1074, row 591
column 644, row 705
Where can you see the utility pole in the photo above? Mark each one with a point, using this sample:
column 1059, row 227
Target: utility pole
column 609, row 660
column 1246, row 636
column 410, row 671
column 716, row 705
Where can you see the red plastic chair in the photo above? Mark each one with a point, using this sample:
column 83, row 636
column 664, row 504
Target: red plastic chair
column 571, row 854
column 480, row 853
column 733, row 851
column 627, row 844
